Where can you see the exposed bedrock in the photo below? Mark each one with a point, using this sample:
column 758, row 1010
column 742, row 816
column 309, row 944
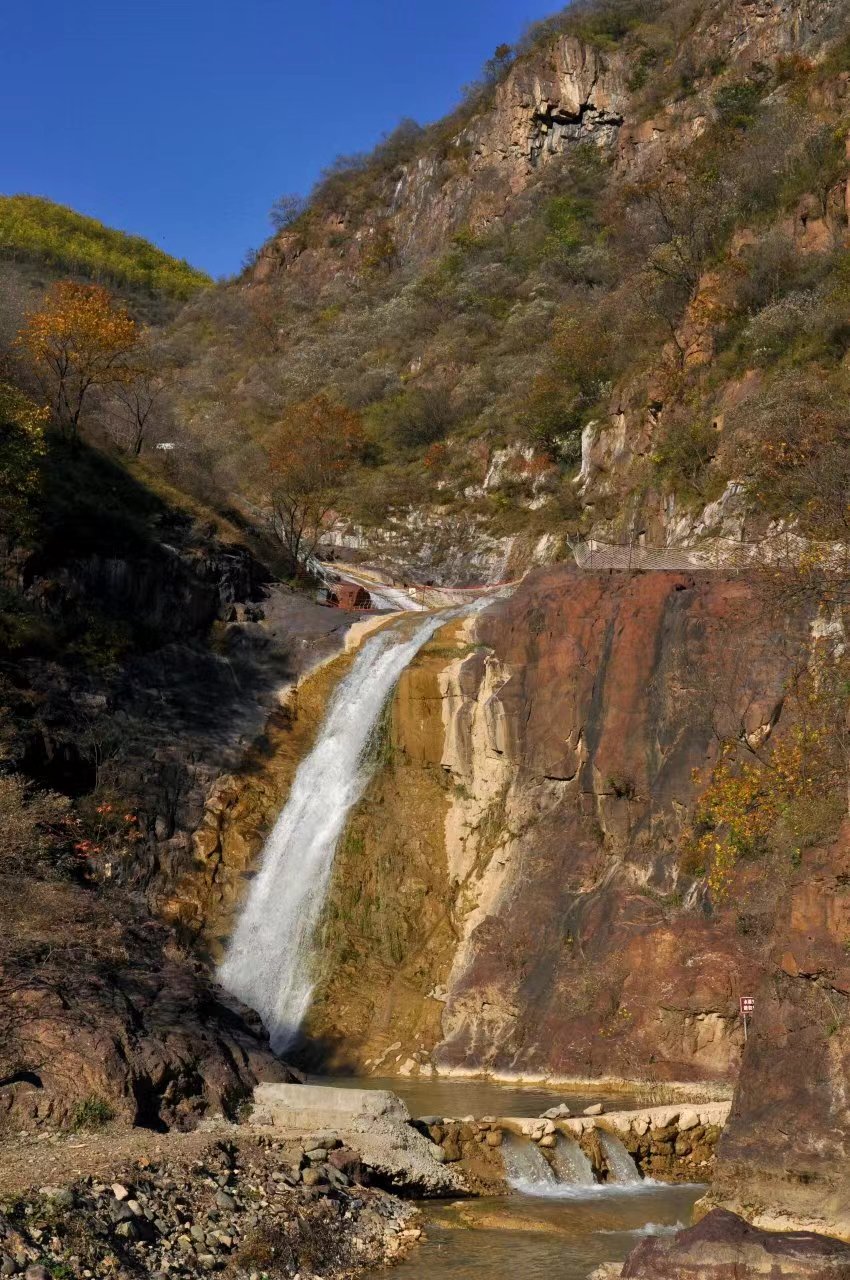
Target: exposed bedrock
column 724, row 1247
column 784, row 1160
column 566, row 93
column 508, row 895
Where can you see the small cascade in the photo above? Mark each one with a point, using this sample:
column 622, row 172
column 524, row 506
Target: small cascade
column 526, row 1167
column 621, row 1167
column 570, row 1163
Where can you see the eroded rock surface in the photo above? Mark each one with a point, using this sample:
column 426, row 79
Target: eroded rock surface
column 509, row 895
column 785, row 1157
column 103, row 1015
column 725, row 1247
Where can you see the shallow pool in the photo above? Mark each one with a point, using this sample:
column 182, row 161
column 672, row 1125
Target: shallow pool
column 458, row 1098
column 522, row 1237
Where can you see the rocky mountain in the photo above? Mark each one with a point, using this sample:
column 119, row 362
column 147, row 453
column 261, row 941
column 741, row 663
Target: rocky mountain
column 593, row 322
column 574, row 308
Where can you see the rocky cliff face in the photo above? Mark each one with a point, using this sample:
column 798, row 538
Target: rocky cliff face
column 570, row 93
column 784, row 1157
column 428, row 245
column 509, row 895
column 564, row 92
column 163, row 665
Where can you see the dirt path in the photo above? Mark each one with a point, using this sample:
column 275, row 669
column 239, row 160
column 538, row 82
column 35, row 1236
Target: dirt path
column 35, row 1161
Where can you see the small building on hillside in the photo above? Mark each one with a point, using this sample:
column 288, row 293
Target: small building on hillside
column 349, row 595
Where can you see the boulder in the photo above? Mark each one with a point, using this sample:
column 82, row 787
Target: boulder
column 725, row 1247
column 310, row 1107
column 346, row 1161
column 595, row 1110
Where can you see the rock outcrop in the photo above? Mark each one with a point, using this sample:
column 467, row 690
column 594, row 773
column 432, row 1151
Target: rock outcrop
column 783, row 1161
column 563, row 92
column 373, row 1121
column 509, row 895
column 724, row 1247
column 103, row 1015
column 570, row 93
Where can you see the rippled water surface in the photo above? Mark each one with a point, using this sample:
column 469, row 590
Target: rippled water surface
column 525, row 1238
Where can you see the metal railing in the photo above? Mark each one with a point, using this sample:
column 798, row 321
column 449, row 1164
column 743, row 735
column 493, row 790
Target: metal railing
column 726, row 554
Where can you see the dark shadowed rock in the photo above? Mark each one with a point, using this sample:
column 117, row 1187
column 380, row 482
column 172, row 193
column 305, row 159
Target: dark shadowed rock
column 116, row 1020
column 725, row 1247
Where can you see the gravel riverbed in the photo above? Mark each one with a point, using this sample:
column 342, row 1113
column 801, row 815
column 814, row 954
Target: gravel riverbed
column 246, row 1209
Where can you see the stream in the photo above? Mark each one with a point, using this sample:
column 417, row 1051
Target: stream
column 457, row 1097
column 557, row 1227
column 524, row 1237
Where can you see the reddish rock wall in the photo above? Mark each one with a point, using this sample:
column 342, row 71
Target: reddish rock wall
column 785, row 1158
column 617, row 689
column 570, row 943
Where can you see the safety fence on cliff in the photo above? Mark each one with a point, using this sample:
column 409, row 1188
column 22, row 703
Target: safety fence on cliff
column 441, row 597
column 722, row 554
column 728, row 555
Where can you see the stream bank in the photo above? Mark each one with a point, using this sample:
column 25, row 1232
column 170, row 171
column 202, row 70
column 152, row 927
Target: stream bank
column 227, row 1202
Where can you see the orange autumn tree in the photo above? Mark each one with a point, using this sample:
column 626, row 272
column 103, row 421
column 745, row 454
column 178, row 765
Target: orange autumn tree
column 79, row 340
column 317, row 444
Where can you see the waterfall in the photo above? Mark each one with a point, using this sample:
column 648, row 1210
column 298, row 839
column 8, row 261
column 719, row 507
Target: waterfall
column 527, row 1168
column 621, row 1167
column 268, row 964
column 570, row 1163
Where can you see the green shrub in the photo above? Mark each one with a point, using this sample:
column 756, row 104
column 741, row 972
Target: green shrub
column 567, row 220
column 686, row 448
column 92, row 1113
column 736, row 104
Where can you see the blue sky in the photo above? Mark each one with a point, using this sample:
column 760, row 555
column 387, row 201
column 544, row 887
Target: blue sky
column 182, row 120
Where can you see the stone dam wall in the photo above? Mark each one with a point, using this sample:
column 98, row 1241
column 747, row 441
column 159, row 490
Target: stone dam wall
column 443, row 1156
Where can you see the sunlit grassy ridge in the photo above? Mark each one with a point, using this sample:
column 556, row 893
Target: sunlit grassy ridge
column 35, row 229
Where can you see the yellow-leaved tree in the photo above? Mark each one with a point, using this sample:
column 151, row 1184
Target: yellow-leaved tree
column 317, row 442
column 79, row 340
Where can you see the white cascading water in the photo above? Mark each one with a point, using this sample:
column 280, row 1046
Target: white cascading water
column 268, row 964
column 526, row 1168
column 570, row 1163
column 569, row 1176
column 621, row 1166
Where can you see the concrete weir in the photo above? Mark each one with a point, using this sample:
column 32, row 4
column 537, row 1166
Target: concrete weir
column 311, row 1106
column 444, row 1156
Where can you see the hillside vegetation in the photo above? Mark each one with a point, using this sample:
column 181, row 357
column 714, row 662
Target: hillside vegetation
column 622, row 274
column 36, row 230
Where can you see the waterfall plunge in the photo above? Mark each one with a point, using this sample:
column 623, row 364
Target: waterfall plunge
column 268, row 962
